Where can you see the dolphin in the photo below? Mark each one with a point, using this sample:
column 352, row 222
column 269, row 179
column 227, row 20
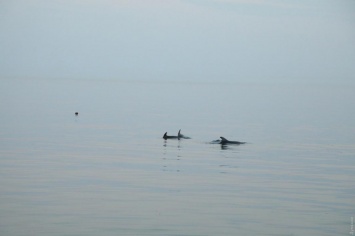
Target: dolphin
column 180, row 135
column 225, row 141
column 166, row 136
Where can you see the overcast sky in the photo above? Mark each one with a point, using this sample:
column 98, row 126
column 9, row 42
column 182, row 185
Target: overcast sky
column 179, row 40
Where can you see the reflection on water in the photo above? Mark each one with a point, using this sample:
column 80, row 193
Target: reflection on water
column 109, row 172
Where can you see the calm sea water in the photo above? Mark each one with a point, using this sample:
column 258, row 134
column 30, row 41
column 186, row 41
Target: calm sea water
column 109, row 172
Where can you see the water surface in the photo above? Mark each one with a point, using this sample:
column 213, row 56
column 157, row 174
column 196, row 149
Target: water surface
column 109, row 172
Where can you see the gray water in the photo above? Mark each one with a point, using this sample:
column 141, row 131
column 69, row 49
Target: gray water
column 109, row 172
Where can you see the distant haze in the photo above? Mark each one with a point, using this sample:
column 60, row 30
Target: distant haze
column 173, row 40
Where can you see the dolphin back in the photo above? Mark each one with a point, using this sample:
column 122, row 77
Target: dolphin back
column 224, row 139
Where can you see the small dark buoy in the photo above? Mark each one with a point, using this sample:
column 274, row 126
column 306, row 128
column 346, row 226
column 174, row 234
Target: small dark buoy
column 76, row 113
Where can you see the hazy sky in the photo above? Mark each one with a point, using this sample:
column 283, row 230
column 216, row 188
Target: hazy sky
column 187, row 40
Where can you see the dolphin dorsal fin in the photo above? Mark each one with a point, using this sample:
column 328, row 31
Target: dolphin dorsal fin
column 179, row 132
column 224, row 139
column 165, row 134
